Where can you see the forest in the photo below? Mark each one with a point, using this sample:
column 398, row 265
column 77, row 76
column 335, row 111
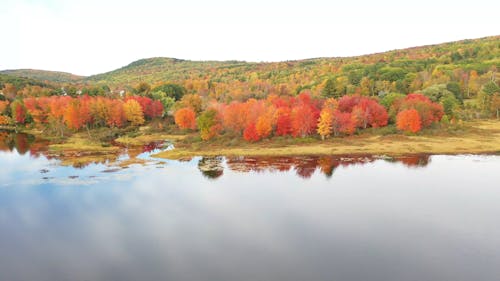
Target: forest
column 407, row 90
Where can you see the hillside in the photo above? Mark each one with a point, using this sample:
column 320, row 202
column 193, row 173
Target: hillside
column 468, row 63
column 153, row 70
column 43, row 75
column 20, row 82
column 403, row 71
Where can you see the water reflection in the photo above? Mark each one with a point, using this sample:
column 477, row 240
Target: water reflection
column 210, row 167
column 28, row 144
column 378, row 220
column 22, row 143
column 303, row 166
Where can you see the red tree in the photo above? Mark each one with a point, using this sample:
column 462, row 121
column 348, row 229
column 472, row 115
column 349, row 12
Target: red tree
column 343, row 123
column 234, row 117
column 409, row 120
column 116, row 116
column 185, row 118
column 250, row 133
column 428, row 111
column 283, row 122
column 18, row 112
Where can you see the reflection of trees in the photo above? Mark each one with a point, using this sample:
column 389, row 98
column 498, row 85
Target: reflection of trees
column 211, row 167
column 327, row 165
column 414, row 160
column 22, row 143
column 10, row 141
column 305, row 166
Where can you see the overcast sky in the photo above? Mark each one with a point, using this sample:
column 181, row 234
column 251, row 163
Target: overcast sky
column 95, row 36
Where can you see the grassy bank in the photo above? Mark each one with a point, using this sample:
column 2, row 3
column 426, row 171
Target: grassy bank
column 472, row 137
column 145, row 139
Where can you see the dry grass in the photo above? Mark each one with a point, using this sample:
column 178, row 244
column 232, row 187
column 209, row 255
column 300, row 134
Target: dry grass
column 79, row 142
column 145, row 139
column 473, row 137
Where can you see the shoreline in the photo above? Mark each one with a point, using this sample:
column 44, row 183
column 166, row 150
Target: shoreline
column 475, row 137
column 480, row 137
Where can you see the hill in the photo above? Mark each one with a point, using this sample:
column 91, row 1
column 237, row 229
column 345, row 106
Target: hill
column 403, row 71
column 468, row 63
column 19, row 82
column 153, row 70
column 43, row 75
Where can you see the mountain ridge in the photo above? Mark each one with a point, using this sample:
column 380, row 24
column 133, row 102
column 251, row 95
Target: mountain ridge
column 158, row 69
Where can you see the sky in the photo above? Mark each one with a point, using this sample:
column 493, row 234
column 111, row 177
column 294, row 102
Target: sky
column 95, row 36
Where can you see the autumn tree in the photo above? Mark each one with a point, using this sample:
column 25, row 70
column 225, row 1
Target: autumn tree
column 72, row 116
column 264, row 126
column 343, row 123
column 428, row 111
column 116, row 116
column 150, row 108
column 325, row 123
column 143, row 88
column 166, row 101
column 366, row 111
column 133, row 112
column 283, row 121
column 3, row 106
column 9, row 91
column 303, row 121
column 4, row 119
column 234, row 117
column 304, row 116
column 38, row 108
column 185, row 118
column 193, row 101
column 409, row 120
column 18, row 111
column 250, row 134
column 209, row 123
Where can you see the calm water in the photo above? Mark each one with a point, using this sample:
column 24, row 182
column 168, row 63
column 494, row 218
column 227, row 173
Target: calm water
column 302, row 218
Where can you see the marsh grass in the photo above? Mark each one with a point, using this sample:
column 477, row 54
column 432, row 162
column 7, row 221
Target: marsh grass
column 473, row 137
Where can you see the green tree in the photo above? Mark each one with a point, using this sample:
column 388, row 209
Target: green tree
column 485, row 96
column 209, row 124
column 454, row 87
column 389, row 99
column 330, row 89
column 172, row 90
column 166, row 101
column 436, row 92
column 450, row 103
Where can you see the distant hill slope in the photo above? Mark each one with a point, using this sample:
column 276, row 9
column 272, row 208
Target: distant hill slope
column 20, row 82
column 44, row 75
column 392, row 66
column 162, row 69
column 402, row 71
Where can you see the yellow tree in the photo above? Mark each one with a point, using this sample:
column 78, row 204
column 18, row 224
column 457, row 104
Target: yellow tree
column 325, row 123
column 263, row 126
column 133, row 112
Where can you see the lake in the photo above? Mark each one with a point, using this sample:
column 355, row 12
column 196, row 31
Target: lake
column 416, row 217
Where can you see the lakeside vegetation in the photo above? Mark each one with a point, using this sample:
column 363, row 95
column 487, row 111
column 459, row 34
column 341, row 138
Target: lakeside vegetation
column 422, row 99
column 470, row 137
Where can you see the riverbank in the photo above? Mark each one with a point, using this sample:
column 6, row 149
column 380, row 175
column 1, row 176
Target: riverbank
column 470, row 138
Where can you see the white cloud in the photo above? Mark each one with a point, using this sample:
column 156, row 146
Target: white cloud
column 88, row 37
